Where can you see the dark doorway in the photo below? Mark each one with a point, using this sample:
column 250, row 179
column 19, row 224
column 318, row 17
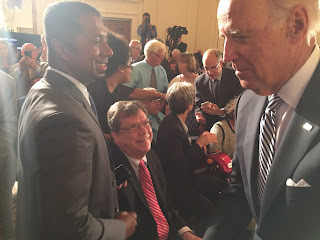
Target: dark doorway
column 119, row 25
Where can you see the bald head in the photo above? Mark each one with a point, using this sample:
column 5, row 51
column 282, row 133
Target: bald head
column 176, row 54
column 31, row 48
column 135, row 48
column 212, row 63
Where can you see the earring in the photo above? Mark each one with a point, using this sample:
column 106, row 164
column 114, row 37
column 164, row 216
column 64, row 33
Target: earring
column 121, row 71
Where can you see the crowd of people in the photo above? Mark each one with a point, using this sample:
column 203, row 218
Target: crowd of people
column 106, row 138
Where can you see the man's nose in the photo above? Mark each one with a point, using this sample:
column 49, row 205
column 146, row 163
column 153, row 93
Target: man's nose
column 230, row 51
column 106, row 50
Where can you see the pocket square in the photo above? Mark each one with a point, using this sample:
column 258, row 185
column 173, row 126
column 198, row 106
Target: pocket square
column 301, row 183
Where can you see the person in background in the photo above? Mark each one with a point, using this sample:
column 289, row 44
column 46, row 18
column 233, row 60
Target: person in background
column 275, row 170
column 154, row 107
column 193, row 194
column 29, row 69
column 135, row 50
column 44, row 51
column 149, row 72
column 110, row 89
column 214, row 89
column 187, row 68
column 8, row 158
column 225, row 131
column 67, row 186
column 146, row 31
column 6, row 56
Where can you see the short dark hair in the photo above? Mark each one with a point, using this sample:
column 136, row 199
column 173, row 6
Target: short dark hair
column 121, row 53
column 123, row 109
column 61, row 21
column 146, row 14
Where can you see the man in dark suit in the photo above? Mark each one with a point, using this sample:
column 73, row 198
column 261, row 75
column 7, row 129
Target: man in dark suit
column 67, row 186
column 275, row 175
column 132, row 136
column 214, row 89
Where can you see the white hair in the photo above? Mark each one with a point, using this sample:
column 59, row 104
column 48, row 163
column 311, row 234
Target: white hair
column 281, row 9
column 137, row 42
column 175, row 52
column 153, row 46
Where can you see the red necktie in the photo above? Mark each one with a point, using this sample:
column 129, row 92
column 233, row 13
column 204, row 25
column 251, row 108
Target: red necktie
column 148, row 189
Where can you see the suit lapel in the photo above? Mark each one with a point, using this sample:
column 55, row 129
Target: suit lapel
column 251, row 148
column 295, row 142
column 60, row 81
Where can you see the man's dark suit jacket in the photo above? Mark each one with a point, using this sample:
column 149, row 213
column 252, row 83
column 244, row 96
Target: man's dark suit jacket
column 205, row 91
column 132, row 198
column 286, row 213
column 66, row 187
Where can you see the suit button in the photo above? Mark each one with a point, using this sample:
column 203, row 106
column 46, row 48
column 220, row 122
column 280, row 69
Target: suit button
column 114, row 182
column 117, row 209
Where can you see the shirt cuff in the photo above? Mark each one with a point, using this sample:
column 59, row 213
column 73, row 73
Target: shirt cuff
column 183, row 230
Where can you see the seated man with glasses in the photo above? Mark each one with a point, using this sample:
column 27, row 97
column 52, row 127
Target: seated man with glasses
column 154, row 107
column 214, row 89
column 145, row 193
column 149, row 72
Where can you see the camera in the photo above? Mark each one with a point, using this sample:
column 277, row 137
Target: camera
column 28, row 53
column 174, row 34
column 147, row 20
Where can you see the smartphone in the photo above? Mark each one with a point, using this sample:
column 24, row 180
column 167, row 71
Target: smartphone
column 27, row 54
column 122, row 174
column 205, row 103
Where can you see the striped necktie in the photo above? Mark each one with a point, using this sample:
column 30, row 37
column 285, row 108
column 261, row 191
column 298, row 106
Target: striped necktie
column 153, row 79
column 267, row 139
column 148, row 189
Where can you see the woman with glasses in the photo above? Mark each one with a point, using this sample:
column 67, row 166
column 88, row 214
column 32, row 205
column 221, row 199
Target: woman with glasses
column 193, row 194
column 106, row 92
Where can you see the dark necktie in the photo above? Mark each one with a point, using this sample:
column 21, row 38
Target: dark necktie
column 93, row 106
column 216, row 89
column 267, row 139
column 153, row 79
column 149, row 192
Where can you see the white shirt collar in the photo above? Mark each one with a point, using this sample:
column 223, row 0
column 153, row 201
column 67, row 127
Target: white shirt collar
column 78, row 84
column 293, row 89
column 135, row 163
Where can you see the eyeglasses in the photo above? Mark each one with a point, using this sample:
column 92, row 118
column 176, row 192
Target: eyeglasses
column 128, row 66
column 212, row 68
column 136, row 127
column 162, row 57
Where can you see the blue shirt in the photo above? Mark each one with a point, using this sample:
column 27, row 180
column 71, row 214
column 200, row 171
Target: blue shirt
column 145, row 33
column 141, row 74
column 155, row 124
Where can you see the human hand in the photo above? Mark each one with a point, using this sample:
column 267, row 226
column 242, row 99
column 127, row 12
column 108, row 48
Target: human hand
column 31, row 63
column 200, row 118
column 124, row 184
column 22, row 64
column 206, row 138
column 212, row 109
column 130, row 221
column 189, row 236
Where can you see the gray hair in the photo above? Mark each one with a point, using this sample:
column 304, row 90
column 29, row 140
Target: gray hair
column 180, row 96
column 123, row 109
column 153, row 46
column 139, row 45
column 212, row 51
column 280, row 10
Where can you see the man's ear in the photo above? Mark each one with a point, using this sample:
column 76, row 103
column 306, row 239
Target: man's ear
column 61, row 50
column 121, row 69
column 298, row 24
column 115, row 137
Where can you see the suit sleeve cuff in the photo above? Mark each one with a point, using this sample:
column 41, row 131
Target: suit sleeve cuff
column 183, row 230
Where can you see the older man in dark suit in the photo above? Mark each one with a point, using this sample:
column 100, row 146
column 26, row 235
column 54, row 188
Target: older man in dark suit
column 146, row 191
column 67, row 186
column 214, row 89
column 275, row 175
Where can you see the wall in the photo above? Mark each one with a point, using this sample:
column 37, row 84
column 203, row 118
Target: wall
column 198, row 16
